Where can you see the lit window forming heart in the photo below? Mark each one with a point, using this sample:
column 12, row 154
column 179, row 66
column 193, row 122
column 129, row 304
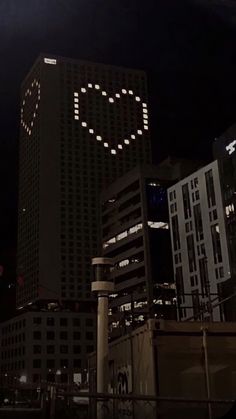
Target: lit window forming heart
column 124, row 92
column 29, row 126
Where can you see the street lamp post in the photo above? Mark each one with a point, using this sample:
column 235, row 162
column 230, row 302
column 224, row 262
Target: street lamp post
column 102, row 286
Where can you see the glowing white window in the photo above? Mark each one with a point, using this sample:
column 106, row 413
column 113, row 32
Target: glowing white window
column 104, row 93
column 29, row 132
column 76, row 94
column 106, row 145
column 144, row 105
column 111, row 100
column 98, row 138
column 83, row 90
column 137, row 98
column 158, row 224
column 97, row 87
column 76, row 100
column 145, row 111
column 76, row 105
column 76, row 111
column 145, row 116
column 84, row 124
column 50, row 61
column 123, row 263
column 140, row 132
column 124, row 91
column 113, row 151
column 146, row 127
column 32, row 123
column 91, row 130
column 126, row 141
column 76, row 116
column 90, row 85
column 135, row 228
column 125, row 307
column 131, row 92
column 120, row 146
column 118, row 95
column 122, row 235
column 36, row 106
column 133, row 137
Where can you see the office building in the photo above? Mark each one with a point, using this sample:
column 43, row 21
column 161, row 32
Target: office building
column 135, row 234
column 82, row 126
column 199, row 244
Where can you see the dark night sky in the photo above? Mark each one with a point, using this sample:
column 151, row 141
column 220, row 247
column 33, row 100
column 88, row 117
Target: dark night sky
column 187, row 48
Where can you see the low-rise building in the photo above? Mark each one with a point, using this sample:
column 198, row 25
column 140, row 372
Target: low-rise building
column 39, row 345
column 167, row 359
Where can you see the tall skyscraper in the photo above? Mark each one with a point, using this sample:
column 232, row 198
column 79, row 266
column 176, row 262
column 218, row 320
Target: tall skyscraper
column 83, row 125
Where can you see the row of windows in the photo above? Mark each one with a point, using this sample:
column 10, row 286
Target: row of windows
column 13, row 352
column 63, row 321
column 13, row 339
column 63, row 363
column 13, row 326
column 50, row 335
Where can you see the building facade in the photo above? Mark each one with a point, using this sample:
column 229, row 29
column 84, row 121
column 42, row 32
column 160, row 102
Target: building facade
column 224, row 150
column 82, row 126
column 199, row 244
column 165, row 359
column 41, row 345
column 135, row 234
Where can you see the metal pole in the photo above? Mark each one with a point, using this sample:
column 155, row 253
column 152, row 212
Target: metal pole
column 103, row 287
column 207, row 375
column 102, row 343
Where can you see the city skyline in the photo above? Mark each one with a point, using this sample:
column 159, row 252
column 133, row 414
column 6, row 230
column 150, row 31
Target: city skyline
column 191, row 91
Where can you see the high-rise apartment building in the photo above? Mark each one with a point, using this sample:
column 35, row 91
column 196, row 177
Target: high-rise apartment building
column 135, row 234
column 199, row 244
column 83, row 125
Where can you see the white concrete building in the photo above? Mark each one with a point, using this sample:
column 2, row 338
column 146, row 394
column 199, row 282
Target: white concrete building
column 199, row 243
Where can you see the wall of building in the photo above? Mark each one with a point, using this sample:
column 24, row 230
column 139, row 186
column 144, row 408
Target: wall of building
column 203, row 266
column 38, row 344
column 167, row 359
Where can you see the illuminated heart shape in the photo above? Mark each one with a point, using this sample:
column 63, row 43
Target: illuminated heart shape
column 28, row 126
column 112, row 100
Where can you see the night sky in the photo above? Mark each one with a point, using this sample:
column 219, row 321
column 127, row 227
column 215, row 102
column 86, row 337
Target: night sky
column 187, row 48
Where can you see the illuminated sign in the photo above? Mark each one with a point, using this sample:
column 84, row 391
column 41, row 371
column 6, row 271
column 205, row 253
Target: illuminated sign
column 231, row 147
column 50, row 61
column 28, row 124
column 111, row 100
